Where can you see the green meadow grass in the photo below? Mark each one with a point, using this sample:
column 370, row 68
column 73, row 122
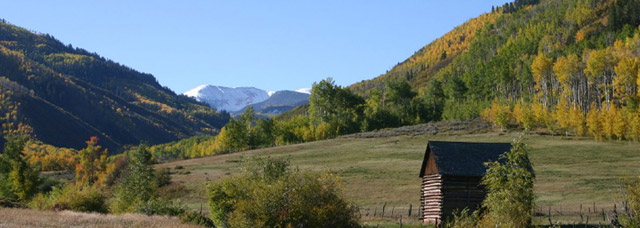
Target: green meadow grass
column 377, row 171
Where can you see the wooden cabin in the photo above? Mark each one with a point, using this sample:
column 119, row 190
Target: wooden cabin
column 451, row 173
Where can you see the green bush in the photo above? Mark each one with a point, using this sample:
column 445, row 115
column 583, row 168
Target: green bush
column 509, row 182
column 463, row 219
column 158, row 206
column 273, row 195
column 73, row 198
column 163, row 177
column 196, row 218
column 631, row 216
column 48, row 184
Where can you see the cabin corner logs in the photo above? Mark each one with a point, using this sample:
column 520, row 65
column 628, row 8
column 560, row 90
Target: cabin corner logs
column 451, row 174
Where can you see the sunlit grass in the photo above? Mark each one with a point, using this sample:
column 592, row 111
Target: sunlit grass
column 569, row 172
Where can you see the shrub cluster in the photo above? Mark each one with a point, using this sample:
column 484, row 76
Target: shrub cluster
column 273, row 195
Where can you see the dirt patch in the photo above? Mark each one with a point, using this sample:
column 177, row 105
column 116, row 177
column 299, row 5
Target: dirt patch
column 474, row 126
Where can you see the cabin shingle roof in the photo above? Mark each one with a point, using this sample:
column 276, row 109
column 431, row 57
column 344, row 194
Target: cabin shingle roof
column 463, row 158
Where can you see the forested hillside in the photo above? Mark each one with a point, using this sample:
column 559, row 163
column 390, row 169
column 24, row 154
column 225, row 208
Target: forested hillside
column 63, row 95
column 574, row 55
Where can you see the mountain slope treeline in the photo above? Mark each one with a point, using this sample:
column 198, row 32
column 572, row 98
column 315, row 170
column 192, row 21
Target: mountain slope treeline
column 535, row 52
column 63, row 95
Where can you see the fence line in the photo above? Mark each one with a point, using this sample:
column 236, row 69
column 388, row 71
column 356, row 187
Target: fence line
column 584, row 214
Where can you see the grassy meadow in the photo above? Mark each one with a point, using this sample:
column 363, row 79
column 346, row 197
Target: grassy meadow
column 378, row 171
column 15, row 217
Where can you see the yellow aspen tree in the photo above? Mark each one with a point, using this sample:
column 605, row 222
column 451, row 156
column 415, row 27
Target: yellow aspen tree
column 222, row 142
column 523, row 114
column 599, row 71
column 542, row 71
column 561, row 117
column 542, row 116
column 633, row 131
column 606, row 115
column 626, row 79
column 562, row 70
column 619, row 122
column 577, row 121
column 594, row 123
column 497, row 114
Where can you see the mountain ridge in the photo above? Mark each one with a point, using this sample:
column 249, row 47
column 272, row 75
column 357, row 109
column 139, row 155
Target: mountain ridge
column 236, row 99
column 70, row 87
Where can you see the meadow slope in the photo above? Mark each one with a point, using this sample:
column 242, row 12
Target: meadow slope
column 375, row 171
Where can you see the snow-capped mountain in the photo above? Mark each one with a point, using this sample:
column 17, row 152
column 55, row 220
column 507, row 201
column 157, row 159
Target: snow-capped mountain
column 227, row 98
column 236, row 100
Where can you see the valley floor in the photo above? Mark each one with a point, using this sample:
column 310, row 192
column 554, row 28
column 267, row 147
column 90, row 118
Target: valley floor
column 572, row 175
column 13, row 217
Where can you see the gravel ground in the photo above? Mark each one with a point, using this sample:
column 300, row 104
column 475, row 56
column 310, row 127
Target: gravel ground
column 431, row 128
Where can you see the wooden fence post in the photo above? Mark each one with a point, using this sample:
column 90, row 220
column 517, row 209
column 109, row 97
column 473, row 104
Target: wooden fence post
column 550, row 223
column 410, row 208
column 383, row 207
column 581, row 217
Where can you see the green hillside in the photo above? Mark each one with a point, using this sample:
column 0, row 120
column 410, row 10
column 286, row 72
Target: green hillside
column 375, row 171
column 63, row 95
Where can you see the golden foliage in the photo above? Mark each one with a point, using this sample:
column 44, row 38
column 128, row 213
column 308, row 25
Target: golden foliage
column 498, row 114
column 595, row 123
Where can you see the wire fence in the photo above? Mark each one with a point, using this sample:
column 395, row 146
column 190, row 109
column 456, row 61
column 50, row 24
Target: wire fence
column 584, row 215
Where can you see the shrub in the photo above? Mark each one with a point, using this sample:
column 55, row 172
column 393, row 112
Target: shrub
column 463, row 219
column 509, row 182
column 48, row 184
column 163, row 177
column 196, row 218
column 273, row 195
column 74, row 198
column 631, row 216
column 157, row 206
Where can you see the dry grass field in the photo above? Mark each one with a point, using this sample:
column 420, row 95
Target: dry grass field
column 378, row 171
column 11, row 217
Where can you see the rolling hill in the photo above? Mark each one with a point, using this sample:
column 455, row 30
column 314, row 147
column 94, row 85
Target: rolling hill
column 378, row 170
column 63, row 95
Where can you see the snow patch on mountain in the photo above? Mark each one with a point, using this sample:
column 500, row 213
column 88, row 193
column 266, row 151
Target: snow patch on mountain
column 227, row 98
column 304, row 90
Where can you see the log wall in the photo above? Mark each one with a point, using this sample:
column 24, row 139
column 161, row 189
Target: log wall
column 442, row 195
column 431, row 199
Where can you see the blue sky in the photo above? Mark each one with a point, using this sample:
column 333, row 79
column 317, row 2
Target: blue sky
column 272, row 45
